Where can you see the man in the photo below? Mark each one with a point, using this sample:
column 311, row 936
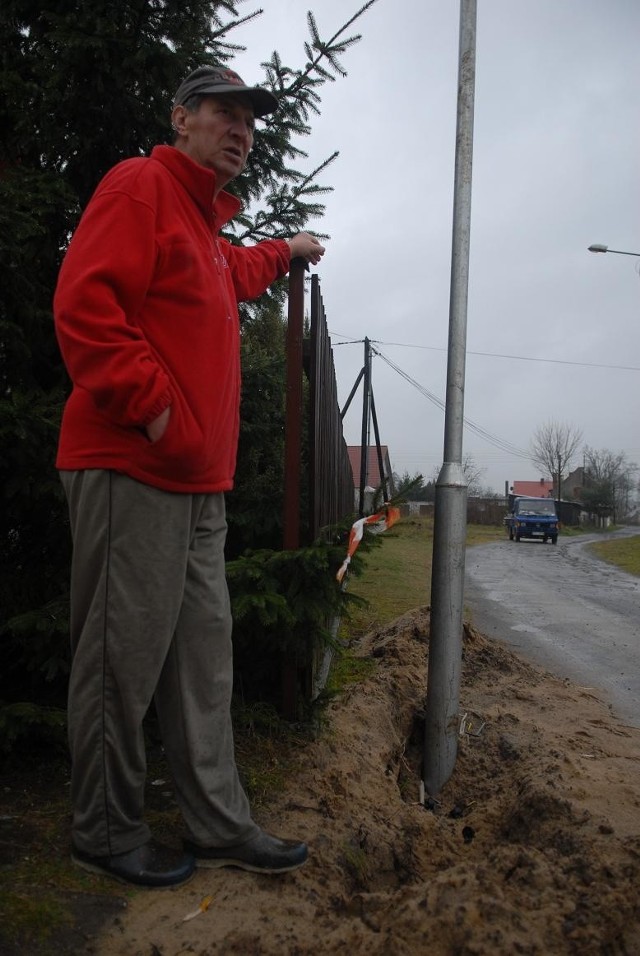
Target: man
column 147, row 322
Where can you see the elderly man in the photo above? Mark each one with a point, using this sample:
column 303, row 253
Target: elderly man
column 147, row 322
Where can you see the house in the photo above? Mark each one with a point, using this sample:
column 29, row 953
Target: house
column 373, row 479
column 543, row 488
column 573, row 484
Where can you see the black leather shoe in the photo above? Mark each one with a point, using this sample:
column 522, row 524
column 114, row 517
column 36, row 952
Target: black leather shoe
column 148, row 865
column 260, row 854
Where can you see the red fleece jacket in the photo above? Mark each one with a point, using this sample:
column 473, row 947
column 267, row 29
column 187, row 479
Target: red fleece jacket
column 146, row 317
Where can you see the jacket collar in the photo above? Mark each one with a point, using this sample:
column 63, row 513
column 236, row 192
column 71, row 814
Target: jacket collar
column 200, row 184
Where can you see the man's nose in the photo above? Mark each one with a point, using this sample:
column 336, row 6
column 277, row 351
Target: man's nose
column 240, row 127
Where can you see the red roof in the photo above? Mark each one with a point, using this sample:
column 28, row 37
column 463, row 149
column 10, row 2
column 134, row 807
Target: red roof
column 373, row 472
column 533, row 489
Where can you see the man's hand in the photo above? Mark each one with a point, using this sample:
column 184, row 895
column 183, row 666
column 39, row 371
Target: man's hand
column 305, row 246
column 156, row 429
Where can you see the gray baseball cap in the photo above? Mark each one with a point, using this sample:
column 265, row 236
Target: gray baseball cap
column 220, row 79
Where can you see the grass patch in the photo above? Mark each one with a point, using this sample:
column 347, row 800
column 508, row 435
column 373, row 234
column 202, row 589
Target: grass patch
column 346, row 669
column 358, row 864
column 574, row 531
column 623, row 552
column 267, row 749
column 485, row 533
column 31, row 921
column 396, row 577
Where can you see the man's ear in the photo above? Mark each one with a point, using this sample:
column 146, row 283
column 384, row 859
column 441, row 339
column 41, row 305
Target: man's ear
column 178, row 119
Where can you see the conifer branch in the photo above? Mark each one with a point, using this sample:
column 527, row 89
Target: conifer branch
column 327, row 49
column 287, row 207
column 224, row 28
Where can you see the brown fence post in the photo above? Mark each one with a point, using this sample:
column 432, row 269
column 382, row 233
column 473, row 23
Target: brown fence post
column 293, row 406
column 292, row 450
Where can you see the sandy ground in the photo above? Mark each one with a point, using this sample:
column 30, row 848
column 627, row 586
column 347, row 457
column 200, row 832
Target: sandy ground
column 533, row 847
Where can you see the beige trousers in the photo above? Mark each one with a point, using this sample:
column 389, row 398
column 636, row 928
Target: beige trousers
column 150, row 620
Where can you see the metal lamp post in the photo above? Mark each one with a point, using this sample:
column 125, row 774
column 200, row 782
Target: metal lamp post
column 450, row 516
column 598, row 247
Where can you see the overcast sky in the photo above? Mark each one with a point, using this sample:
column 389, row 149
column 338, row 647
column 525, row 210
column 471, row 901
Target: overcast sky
column 553, row 331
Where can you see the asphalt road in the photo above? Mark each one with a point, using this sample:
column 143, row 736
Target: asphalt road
column 563, row 609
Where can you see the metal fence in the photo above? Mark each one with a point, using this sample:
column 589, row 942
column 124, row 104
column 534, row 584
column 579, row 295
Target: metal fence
column 331, row 493
column 330, row 479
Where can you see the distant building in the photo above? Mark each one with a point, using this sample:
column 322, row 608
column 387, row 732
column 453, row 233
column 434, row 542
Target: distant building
column 543, row 488
column 374, row 480
column 574, row 483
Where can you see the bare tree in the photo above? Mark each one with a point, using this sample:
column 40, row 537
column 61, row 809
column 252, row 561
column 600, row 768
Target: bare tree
column 609, row 482
column 552, row 448
column 472, row 473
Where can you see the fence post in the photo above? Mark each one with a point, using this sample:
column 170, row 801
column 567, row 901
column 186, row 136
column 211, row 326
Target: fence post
column 292, row 451
column 293, row 406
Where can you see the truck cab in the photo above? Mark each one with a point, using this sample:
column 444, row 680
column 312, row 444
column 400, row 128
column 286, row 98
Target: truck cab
column 533, row 518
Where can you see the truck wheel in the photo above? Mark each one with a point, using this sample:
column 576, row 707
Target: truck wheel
column 544, row 539
column 554, row 540
column 517, row 537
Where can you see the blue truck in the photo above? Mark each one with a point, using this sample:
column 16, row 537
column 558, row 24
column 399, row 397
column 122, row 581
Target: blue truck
column 533, row 518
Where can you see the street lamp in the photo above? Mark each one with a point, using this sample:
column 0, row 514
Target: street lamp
column 597, row 247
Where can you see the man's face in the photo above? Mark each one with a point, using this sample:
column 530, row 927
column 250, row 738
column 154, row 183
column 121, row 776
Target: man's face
column 218, row 135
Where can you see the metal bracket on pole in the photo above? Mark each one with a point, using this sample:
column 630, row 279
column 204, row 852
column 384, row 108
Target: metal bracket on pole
column 450, row 516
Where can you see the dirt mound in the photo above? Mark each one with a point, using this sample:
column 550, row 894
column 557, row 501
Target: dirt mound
column 533, row 846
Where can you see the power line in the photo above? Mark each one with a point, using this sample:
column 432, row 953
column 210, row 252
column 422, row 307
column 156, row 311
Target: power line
column 516, row 358
column 481, row 432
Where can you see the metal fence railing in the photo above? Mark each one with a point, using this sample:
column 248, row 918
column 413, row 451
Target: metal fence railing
column 329, row 488
column 331, row 492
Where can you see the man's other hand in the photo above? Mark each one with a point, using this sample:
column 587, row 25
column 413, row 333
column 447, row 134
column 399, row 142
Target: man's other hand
column 157, row 428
